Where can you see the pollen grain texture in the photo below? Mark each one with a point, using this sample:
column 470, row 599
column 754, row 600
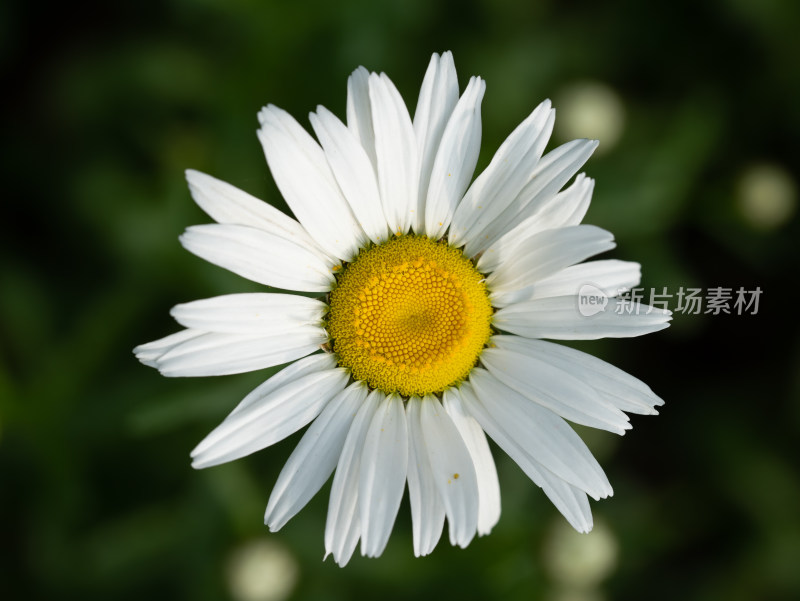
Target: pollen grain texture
column 409, row 316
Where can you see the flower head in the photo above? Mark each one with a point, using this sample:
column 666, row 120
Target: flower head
column 434, row 296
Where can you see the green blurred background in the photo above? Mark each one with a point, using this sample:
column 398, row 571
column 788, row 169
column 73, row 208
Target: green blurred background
column 696, row 105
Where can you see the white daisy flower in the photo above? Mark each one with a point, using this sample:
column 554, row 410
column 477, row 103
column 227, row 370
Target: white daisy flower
column 434, row 297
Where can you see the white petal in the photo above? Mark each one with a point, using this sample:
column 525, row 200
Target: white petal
column 270, row 415
column 305, row 180
column 473, row 436
column 554, row 170
column 397, row 155
column 216, row 354
column 610, row 276
column 500, row 183
column 564, row 209
column 314, row 458
column 382, row 479
column 353, row 171
column 437, row 99
column 225, row 203
column 568, row 499
column 254, row 314
column 559, row 318
column 150, row 352
column 260, row 256
column 554, row 388
column 541, row 256
column 455, row 161
column 359, row 112
column 617, row 387
column 543, row 435
column 294, row 371
column 343, row 526
column 453, row 471
column 427, row 511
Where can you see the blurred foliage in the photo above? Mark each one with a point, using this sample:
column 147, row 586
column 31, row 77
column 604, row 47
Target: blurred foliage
column 107, row 103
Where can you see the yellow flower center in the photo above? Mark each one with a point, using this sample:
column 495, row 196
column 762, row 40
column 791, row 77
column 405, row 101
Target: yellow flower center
column 409, row 316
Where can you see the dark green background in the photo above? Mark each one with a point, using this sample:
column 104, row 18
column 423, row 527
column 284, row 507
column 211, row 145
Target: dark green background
column 107, row 103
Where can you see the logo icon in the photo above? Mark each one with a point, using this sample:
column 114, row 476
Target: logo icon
column 591, row 300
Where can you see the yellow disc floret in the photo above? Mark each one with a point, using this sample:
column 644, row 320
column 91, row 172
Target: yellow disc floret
column 409, row 316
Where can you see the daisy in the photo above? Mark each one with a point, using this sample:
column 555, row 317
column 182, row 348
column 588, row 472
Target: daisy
column 433, row 297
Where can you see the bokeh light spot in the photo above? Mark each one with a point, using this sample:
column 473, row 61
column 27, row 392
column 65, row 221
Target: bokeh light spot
column 261, row 570
column 590, row 109
column 767, row 196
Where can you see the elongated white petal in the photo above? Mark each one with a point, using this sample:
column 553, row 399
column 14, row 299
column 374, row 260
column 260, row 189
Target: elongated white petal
column 568, row 499
column 353, row 171
column 543, row 255
column 150, row 352
column 552, row 172
column 554, row 388
column 216, row 354
column 382, row 478
column 545, row 436
column 565, row 209
column 396, row 153
column 617, row 387
column 314, row 458
column 485, row 470
column 559, row 318
column 225, row 203
column 453, row 471
column 438, row 96
column 343, row 526
column 254, row 314
column 555, row 169
column 455, row 161
column 437, row 99
column 260, row 256
column 500, row 183
column 359, row 112
column 610, row 276
column 305, row 180
column 269, row 417
column 294, row 371
column 427, row 511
